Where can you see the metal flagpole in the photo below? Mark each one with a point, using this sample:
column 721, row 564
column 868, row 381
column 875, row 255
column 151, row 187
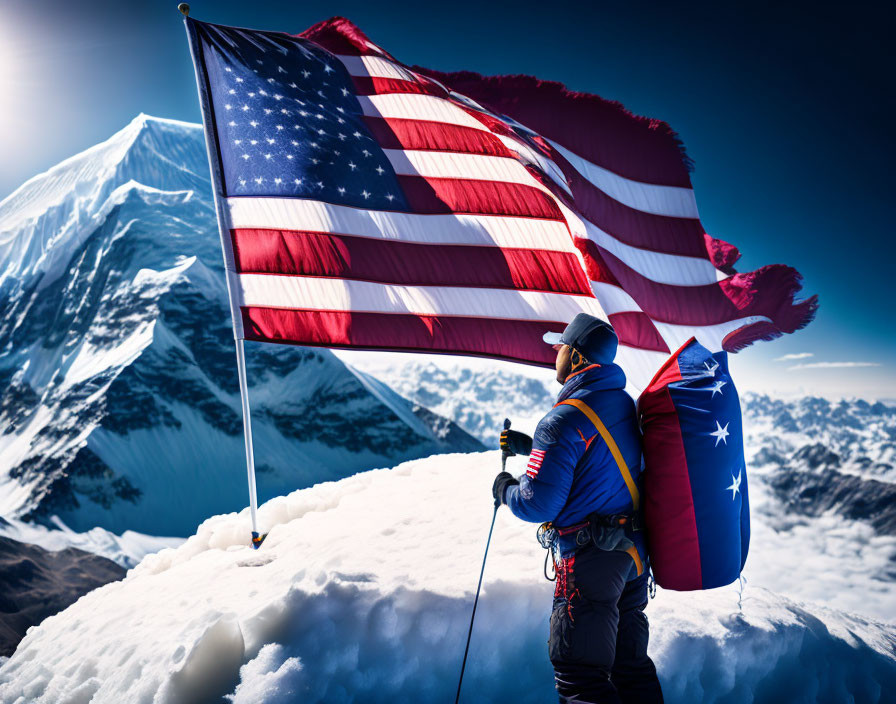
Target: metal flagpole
column 223, row 230
column 247, row 432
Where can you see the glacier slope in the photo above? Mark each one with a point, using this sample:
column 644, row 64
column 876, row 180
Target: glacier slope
column 362, row 592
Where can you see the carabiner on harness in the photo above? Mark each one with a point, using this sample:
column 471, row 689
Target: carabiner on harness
column 553, row 577
column 546, row 536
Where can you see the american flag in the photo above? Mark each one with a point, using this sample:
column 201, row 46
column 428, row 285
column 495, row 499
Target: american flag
column 364, row 203
column 536, row 458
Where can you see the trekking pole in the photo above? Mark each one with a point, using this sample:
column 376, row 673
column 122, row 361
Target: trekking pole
column 463, row 665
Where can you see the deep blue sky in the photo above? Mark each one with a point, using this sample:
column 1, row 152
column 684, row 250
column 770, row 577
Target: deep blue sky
column 786, row 111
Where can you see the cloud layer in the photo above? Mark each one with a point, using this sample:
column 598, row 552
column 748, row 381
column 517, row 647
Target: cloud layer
column 797, row 355
column 833, row 365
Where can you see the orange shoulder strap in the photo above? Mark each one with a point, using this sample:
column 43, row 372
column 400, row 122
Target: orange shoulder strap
column 611, row 444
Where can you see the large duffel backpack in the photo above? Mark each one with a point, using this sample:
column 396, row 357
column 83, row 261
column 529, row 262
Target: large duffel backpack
column 695, row 505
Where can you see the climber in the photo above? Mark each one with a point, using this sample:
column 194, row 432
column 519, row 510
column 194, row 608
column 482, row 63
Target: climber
column 582, row 484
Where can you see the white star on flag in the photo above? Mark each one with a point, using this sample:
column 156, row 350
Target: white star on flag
column 720, row 433
column 717, row 388
column 735, row 484
column 711, row 368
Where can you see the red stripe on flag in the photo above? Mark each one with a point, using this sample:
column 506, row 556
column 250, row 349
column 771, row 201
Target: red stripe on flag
column 637, row 330
column 513, row 340
column 595, row 266
column 375, row 85
column 658, row 233
column 397, row 133
column 427, row 196
column 264, row 251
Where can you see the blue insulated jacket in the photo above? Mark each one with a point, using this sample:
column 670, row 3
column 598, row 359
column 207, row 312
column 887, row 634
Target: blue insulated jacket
column 558, row 486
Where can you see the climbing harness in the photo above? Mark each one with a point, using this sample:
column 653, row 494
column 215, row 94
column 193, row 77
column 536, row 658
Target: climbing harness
column 604, row 532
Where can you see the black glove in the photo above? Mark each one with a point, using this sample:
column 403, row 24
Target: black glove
column 502, row 481
column 515, row 443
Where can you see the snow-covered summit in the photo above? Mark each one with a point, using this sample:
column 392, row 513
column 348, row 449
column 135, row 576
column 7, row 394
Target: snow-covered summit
column 120, row 405
column 46, row 218
column 362, row 592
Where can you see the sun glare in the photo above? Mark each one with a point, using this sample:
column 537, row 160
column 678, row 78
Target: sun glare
column 8, row 88
column 5, row 67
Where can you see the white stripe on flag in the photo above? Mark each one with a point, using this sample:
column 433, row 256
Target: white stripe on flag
column 536, row 158
column 316, row 216
column 639, row 365
column 374, row 67
column 710, row 336
column 364, row 296
column 672, row 269
column 478, row 167
column 414, row 106
column 614, row 299
column 673, row 201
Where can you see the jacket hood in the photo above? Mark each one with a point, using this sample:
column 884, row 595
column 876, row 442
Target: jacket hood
column 597, row 377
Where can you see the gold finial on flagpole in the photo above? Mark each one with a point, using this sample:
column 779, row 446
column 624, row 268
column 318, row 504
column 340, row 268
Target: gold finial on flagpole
column 184, row 8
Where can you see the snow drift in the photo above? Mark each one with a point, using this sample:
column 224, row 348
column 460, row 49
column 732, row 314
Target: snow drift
column 362, row 592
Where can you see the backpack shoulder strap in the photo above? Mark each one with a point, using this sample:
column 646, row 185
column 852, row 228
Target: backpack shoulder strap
column 611, row 444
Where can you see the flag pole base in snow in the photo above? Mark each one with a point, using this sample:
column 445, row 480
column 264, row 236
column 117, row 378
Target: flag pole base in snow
column 257, row 538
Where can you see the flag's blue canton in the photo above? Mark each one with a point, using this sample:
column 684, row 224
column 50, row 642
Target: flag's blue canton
column 288, row 122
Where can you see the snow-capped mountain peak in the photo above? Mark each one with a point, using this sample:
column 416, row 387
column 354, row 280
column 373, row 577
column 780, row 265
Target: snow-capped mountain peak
column 121, row 405
column 45, row 219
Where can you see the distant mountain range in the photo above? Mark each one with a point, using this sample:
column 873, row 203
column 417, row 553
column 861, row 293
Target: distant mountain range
column 816, row 454
column 120, row 404
column 824, row 456
column 477, row 397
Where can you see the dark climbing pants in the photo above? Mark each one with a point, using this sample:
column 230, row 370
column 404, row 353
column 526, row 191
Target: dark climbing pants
column 598, row 643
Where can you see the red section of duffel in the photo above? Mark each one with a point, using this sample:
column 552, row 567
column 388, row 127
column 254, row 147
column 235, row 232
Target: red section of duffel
column 668, row 502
